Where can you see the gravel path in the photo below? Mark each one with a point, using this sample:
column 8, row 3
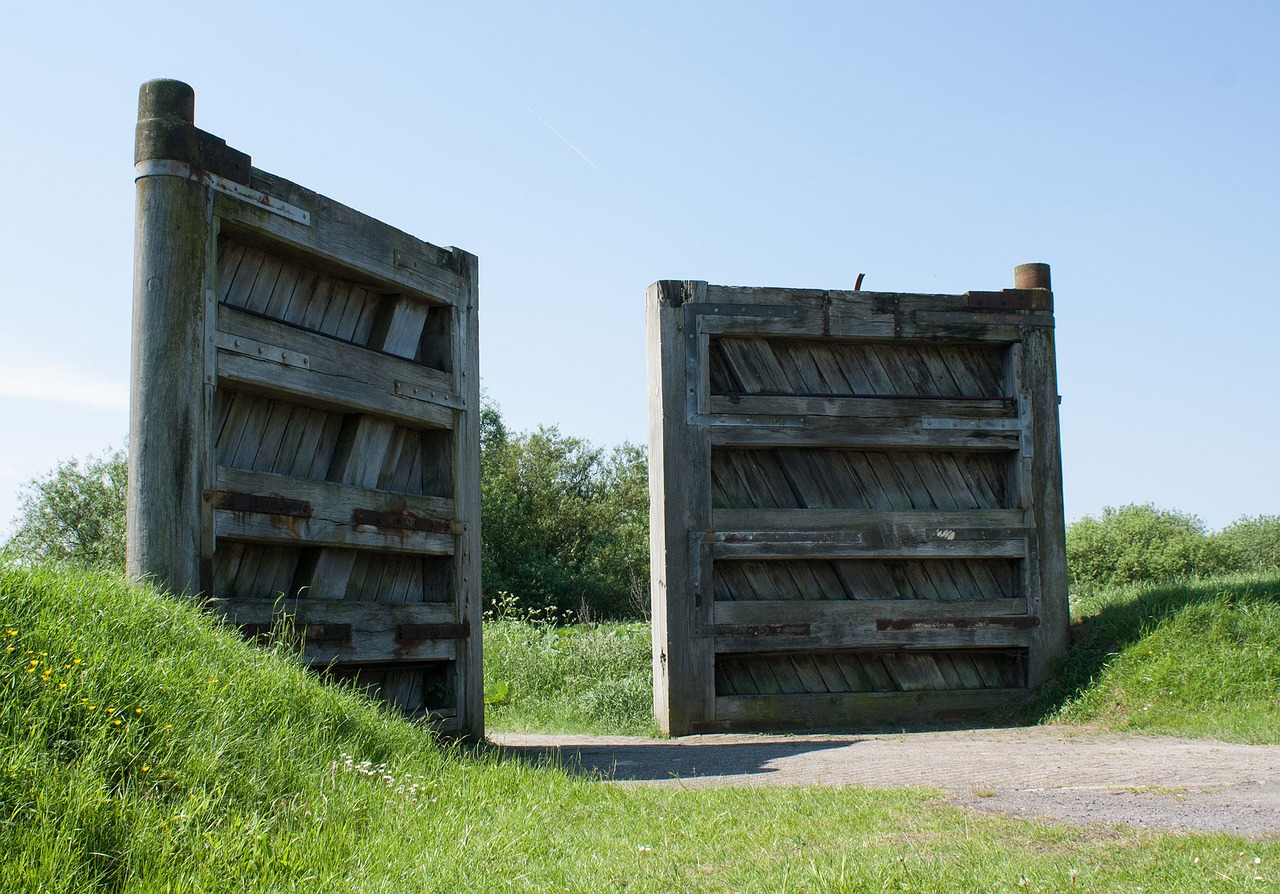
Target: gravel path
column 1072, row 774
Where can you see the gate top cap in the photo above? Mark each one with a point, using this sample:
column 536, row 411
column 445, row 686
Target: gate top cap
column 166, row 130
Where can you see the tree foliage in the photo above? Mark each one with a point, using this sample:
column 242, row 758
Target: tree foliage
column 1145, row 543
column 75, row 513
column 564, row 524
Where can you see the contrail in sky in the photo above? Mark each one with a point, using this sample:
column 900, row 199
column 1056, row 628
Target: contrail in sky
column 557, row 133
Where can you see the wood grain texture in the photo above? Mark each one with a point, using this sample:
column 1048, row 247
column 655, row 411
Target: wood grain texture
column 679, row 506
column 167, row 456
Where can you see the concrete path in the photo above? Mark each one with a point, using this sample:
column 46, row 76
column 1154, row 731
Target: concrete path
column 1072, row 774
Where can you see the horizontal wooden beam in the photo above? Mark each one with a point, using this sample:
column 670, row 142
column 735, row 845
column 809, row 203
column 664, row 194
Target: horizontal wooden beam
column 291, row 530
column 832, row 534
column 874, row 316
column 870, row 626
column 874, row 527
column 994, row 413
column 356, row 245
column 854, row 710
column 817, row 546
column 372, row 388
column 243, row 332
column 880, row 433
column 342, row 503
column 859, row 612
column 355, row 631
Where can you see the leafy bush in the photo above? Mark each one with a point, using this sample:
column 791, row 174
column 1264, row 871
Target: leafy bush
column 1255, row 542
column 76, row 513
column 564, row 524
column 1142, row 543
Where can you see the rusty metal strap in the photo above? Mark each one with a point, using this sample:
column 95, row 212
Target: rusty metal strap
column 240, row 502
column 761, row 630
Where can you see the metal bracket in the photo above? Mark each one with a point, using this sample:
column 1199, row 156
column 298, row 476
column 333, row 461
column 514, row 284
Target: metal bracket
column 163, row 167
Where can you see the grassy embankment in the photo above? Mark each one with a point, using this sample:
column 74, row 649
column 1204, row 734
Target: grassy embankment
column 143, row 749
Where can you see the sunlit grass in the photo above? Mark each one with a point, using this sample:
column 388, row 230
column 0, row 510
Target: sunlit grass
column 1198, row 658
column 594, row 678
column 231, row 769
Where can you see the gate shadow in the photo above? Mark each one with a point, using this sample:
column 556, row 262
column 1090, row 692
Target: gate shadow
column 662, row 760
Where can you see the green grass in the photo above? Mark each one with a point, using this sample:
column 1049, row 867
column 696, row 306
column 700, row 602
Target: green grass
column 595, row 678
column 230, row 769
column 1195, row 658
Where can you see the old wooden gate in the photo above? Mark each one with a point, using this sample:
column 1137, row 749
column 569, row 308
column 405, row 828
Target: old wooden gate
column 304, row 430
column 856, row 503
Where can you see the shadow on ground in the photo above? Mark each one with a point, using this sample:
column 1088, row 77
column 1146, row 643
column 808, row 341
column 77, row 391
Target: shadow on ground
column 649, row 761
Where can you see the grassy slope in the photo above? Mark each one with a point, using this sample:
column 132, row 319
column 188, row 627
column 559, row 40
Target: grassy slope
column 1197, row 659
column 227, row 771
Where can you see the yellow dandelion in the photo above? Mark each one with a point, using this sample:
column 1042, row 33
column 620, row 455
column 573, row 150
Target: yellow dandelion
column 115, row 723
column 11, row 632
column 168, row 726
column 146, row 768
column 76, row 661
column 93, row 707
column 31, row 670
column 8, row 648
column 137, row 710
column 35, row 661
column 62, row 685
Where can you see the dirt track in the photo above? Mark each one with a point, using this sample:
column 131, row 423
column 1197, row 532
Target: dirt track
column 1070, row 774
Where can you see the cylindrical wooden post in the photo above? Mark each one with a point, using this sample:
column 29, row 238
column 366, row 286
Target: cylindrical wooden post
column 1031, row 276
column 166, row 418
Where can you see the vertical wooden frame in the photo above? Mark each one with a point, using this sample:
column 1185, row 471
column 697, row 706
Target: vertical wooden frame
column 168, row 465
column 346, row 368
column 679, row 509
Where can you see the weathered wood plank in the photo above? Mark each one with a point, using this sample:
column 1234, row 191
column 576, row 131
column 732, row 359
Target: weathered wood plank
column 680, row 503
column 264, row 528
column 394, row 370
column 880, row 624
column 337, row 501
column 814, row 545
column 459, row 471
column 350, row 389
column 922, row 524
column 859, row 710
column 351, row 243
column 1042, row 497
column 353, row 632
column 905, row 409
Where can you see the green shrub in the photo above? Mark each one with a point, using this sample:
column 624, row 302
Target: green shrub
column 564, row 524
column 1142, row 543
column 1254, row 542
column 76, row 513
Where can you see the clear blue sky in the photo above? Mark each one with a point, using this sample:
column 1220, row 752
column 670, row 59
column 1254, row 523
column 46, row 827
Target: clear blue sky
column 585, row 150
